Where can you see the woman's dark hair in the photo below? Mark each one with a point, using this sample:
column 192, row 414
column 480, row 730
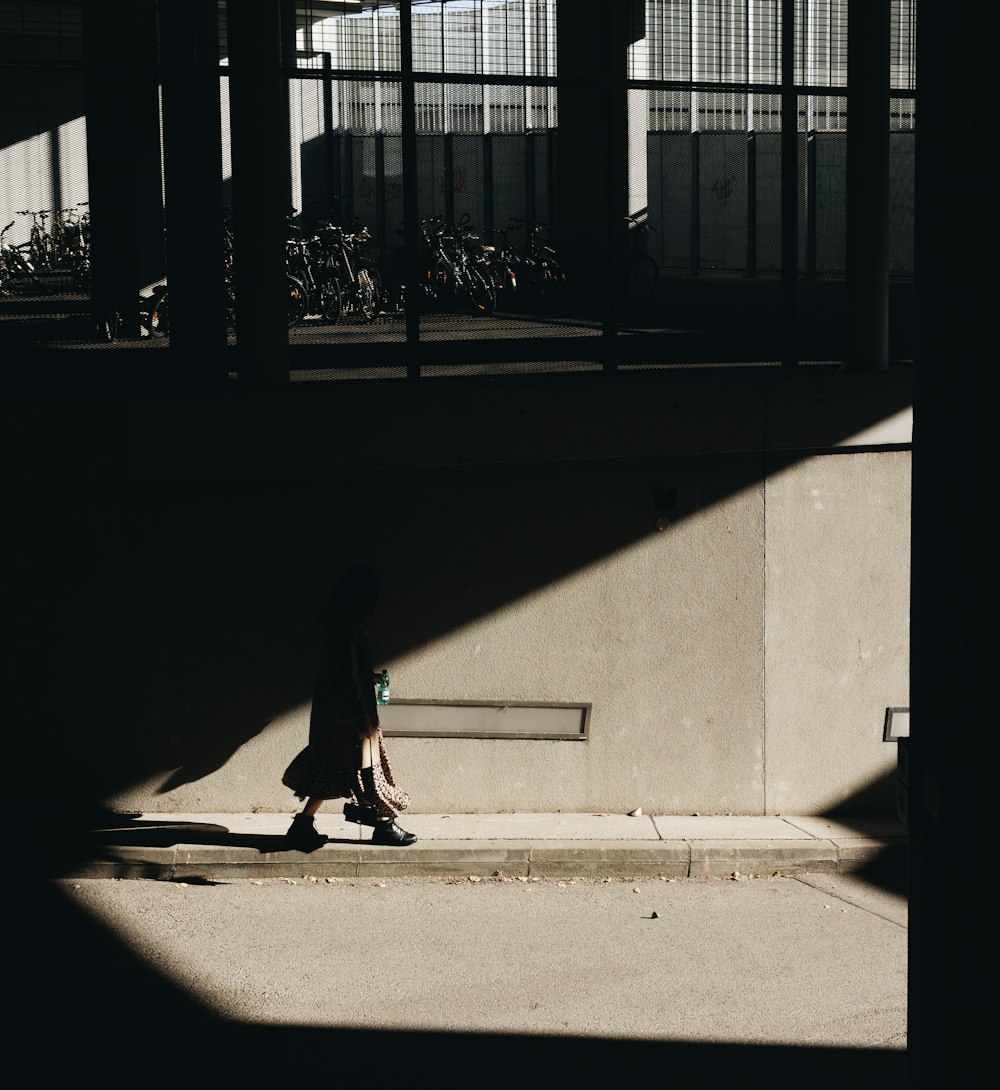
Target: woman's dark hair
column 357, row 587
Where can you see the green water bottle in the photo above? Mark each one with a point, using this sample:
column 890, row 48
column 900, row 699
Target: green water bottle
column 382, row 688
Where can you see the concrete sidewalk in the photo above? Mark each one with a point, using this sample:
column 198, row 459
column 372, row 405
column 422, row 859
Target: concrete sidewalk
column 228, row 846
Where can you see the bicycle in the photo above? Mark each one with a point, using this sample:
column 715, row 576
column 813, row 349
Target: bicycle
column 640, row 273
column 491, row 262
column 154, row 312
column 40, row 243
column 500, row 258
column 71, row 240
column 536, row 264
column 450, row 278
column 304, row 290
column 631, row 275
column 154, row 308
column 350, row 283
column 15, row 265
column 62, row 248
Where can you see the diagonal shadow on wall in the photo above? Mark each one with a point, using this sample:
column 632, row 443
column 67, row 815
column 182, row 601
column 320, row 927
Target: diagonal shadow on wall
column 162, row 623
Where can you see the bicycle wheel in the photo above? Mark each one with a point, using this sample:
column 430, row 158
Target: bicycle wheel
column 366, row 295
column 298, row 301
column 480, row 292
column 106, row 326
column 17, row 272
column 551, row 282
column 428, row 298
column 331, row 304
column 639, row 283
column 230, row 306
column 379, row 286
column 503, row 276
column 159, row 317
column 37, row 251
column 81, row 273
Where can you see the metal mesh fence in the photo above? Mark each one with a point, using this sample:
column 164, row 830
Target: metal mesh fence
column 41, row 32
column 480, row 180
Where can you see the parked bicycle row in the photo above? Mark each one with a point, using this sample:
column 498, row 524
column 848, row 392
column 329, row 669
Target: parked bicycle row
column 58, row 242
column 327, row 275
column 459, row 270
column 336, row 272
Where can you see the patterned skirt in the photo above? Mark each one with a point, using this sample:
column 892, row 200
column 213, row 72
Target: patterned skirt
column 311, row 776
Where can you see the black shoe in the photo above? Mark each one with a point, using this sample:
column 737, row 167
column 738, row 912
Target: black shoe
column 302, row 836
column 363, row 815
column 388, row 832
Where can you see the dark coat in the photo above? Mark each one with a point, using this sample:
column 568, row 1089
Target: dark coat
column 343, row 709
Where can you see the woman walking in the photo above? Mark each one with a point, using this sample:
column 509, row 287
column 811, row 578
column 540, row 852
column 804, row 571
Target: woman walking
column 346, row 757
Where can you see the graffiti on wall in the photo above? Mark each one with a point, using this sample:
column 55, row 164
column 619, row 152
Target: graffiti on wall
column 724, row 188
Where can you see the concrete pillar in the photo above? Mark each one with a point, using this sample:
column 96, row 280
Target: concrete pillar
column 261, row 192
column 123, row 156
column 953, row 743
column 868, row 185
column 601, row 148
column 192, row 144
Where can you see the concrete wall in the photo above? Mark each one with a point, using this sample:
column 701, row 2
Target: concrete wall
column 739, row 645
column 836, row 626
